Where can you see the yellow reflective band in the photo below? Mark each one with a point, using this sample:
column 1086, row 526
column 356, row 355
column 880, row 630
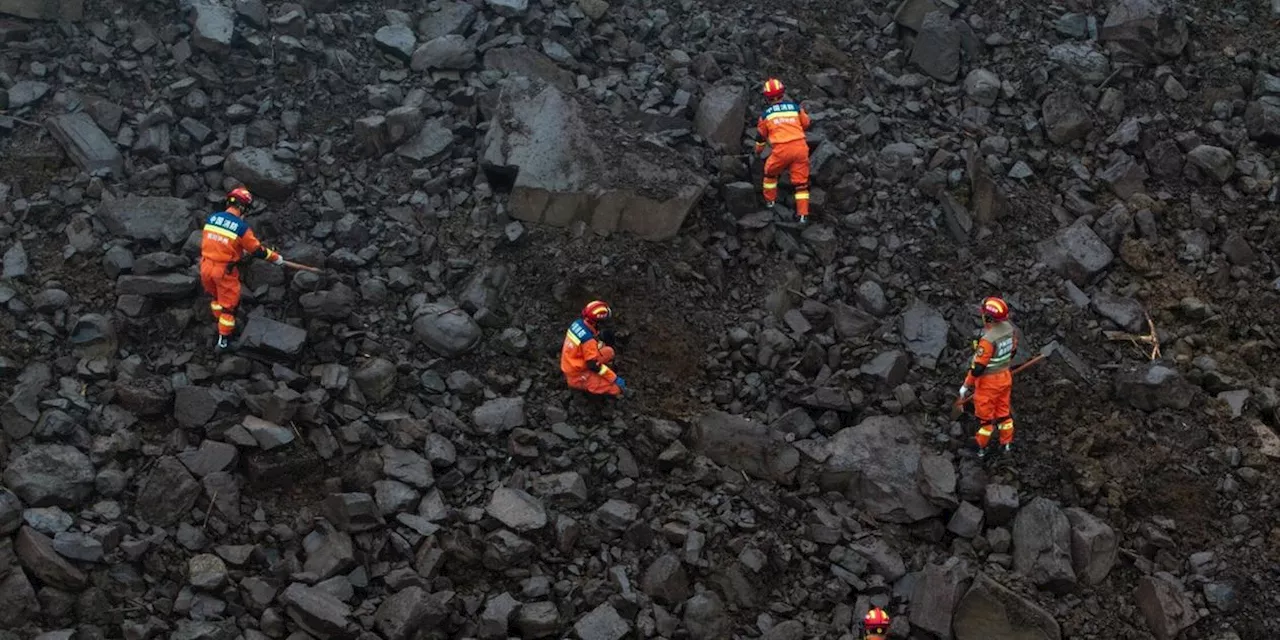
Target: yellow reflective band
column 215, row 306
column 220, row 231
column 605, row 370
column 771, row 184
column 568, row 335
column 227, row 323
column 802, row 195
column 984, row 431
column 1008, row 426
column 782, row 114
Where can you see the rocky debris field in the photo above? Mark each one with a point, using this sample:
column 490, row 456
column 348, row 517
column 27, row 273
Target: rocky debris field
column 390, row 453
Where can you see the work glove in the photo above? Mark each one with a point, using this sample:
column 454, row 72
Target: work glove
column 759, row 148
column 278, row 259
column 964, row 390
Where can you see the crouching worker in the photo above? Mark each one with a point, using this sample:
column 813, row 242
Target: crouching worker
column 585, row 356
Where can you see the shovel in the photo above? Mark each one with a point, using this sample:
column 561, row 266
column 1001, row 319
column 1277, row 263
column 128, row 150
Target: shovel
column 958, row 406
column 301, row 267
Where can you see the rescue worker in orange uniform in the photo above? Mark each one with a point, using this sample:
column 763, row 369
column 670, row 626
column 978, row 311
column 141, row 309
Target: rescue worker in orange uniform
column 876, row 625
column 782, row 125
column 989, row 375
column 585, row 355
column 228, row 238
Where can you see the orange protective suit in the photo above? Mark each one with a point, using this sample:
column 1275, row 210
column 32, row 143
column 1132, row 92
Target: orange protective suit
column 992, row 382
column 227, row 239
column 783, row 125
column 585, row 361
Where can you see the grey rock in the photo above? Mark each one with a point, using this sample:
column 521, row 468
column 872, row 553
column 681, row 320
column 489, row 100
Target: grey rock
column 495, row 620
column 990, row 611
column 1124, row 175
column 884, row 561
column 1164, row 159
column 665, row 580
column 617, row 515
column 602, row 623
column 445, row 52
column 982, row 86
column 1074, row 25
column 78, row 546
column 508, row 8
column 1126, row 313
column 451, row 17
column 937, row 47
column 850, row 322
column 966, row 522
column 705, row 617
column 402, row 614
column 267, row 434
column 273, row 338
column 329, row 553
column 937, row 591
column 1238, row 250
column 521, row 61
column 10, row 512
column 1154, row 386
column 396, row 40
column 516, row 509
column 407, row 467
column 871, row 298
column 26, row 92
column 538, row 619
column 264, row 175
column 1094, row 546
column 1042, row 546
column 353, row 512
column 1066, row 118
column 317, row 612
column 1262, row 119
column 87, row 145
column 51, row 475
column 16, row 264
column 720, row 115
column 1215, row 162
column 877, row 464
column 445, row 329
column 68, row 10
column 206, row 571
column 1165, row 605
column 889, row 367
column 335, row 303
column 1076, row 253
column 925, row 332
column 567, row 487
column 1145, row 29
column 167, row 494
column 376, row 379
column 540, row 143
column 18, row 602
column 499, row 415
column 213, row 27
column 167, row 286
column 47, row 520
column 1083, row 60
column 38, row 557
column 393, row 496
column 747, row 446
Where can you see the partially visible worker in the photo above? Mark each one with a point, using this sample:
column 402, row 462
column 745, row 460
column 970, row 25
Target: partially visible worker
column 782, row 126
column 875, row 625
column 228, row 238
column 585, row 354
column 989, row 376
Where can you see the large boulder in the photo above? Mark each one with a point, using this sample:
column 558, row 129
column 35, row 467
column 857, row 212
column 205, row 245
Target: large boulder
column 68, row 10
column 1153, row 386
column 52, row 475
column 720, row 114
column 1145, row 29
column 1263, row 120
column 989, row 611
column 540, row 142
column 168, row 493
column 1165, row 604
column 937, row 47
column 1066, row 118
column 925, row 332
column 937, row 591
column 1094, row 546
column 1042, row 546
column 156, row 219
column 445, row 329
column 877, row 463
column 1076, row 253
column 747, row 446
column 262, row 173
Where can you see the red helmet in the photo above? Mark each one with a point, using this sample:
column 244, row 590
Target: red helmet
column 239, row 197
column 876, row 619
column 597, row 310
column 995, row 308
column 773, row 88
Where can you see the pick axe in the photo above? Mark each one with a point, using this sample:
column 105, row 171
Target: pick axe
column 958, row 406
column 301, row 267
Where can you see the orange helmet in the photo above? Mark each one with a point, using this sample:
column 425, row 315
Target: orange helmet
column 876, row 619
column 995, row 308
column 597, row 310
column 773, row 88
column 239, row 197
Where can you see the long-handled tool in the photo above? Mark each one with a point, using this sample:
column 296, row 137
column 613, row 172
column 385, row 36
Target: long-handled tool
column 958, row 407
column 300, row 267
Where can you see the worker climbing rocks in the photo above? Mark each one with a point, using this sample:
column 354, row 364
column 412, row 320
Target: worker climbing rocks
column 228, row 238
column 782, row 125
column 875, row 625
column 586, row 354
column 989, row 376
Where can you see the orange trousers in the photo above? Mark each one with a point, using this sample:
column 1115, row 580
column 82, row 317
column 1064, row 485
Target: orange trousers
column 223, row 284
column 992, row 407
column 593, row 383
column 792, row 155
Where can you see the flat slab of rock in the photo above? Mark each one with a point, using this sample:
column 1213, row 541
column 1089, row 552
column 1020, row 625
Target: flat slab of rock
column 747, row 446
column 70, row 10
column 529, row 63
column 877, row 464
column 1076, row 253
column 262, row 173
column 165, row 286
column 316, row 611
column 516, row 509
column 140, row 218
column 272, row 337
column 539, row 141
column 989, row 611
column 51, row 475
column 719, row 118
column 87, row 145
